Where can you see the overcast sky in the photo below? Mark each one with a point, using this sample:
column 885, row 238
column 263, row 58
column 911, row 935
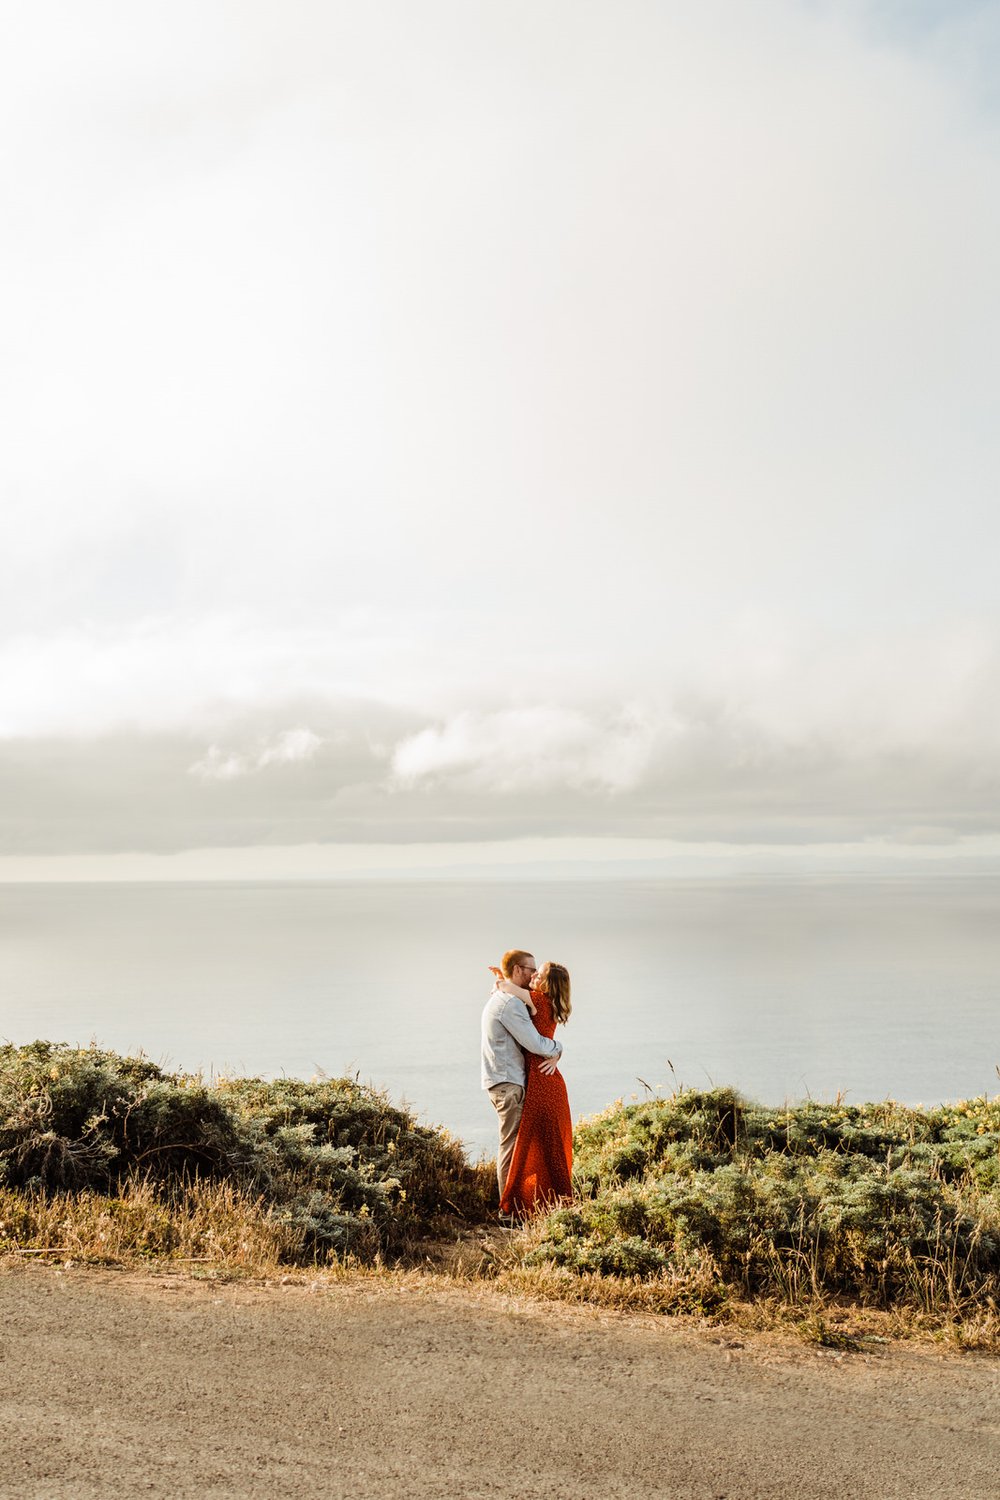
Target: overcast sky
column 458, row 422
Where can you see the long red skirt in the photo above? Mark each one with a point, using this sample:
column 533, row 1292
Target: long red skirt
column 541, row 1169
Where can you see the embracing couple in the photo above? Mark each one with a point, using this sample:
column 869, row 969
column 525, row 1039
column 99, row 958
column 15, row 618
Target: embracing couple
column 521, row 1074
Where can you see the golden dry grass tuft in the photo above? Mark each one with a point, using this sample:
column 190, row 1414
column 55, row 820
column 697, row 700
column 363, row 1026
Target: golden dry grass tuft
column 209, row 1222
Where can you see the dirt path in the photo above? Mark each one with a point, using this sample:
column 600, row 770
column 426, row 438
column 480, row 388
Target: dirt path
column 117, row 1386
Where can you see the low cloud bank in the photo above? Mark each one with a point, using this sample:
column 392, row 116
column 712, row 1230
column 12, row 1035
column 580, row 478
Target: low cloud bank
column 690, row 767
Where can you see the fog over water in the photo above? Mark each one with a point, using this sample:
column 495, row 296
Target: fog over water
column 777, row 986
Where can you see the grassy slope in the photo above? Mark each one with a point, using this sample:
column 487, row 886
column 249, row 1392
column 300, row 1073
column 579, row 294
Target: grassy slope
column 699, row 1202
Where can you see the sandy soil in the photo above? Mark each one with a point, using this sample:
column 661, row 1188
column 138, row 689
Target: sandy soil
column 119, row 1385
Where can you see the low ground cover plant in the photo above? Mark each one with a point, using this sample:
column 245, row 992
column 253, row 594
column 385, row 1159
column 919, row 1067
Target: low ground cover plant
column 327, row 1168
column 885, row 1205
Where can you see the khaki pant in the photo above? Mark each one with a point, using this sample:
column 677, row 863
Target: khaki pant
column 508, row 1101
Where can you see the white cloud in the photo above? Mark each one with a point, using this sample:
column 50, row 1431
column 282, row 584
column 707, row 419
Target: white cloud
column 288, row 748
column 219, row 765
column 161, row 674
column 532, row 749
column 294, row 745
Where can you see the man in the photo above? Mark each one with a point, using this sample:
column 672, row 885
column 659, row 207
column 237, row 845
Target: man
column 507, row 1029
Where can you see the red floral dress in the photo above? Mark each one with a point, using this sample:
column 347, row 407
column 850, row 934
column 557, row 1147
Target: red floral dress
column 542, row 1165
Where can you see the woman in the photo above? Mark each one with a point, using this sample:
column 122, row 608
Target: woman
column 541, row 1168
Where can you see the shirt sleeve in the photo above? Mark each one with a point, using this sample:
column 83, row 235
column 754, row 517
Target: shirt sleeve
column 514, row 1017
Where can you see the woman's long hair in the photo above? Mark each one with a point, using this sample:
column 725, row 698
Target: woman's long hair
column 554, row 982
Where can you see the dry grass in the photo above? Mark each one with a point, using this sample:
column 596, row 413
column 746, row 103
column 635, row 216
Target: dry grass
column 210, row 1223
column 216, row 1231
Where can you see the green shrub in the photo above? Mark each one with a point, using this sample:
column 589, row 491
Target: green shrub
column 879, row 1202
column 334, row 1160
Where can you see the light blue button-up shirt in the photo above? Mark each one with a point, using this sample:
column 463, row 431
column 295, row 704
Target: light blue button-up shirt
column 506, row 1029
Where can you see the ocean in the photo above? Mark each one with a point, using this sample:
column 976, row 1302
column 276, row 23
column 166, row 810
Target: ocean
column 781, row 987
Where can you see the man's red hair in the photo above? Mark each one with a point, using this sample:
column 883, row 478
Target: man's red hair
column 514, row 958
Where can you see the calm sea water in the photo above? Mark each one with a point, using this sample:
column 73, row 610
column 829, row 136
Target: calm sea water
column 782, row 988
